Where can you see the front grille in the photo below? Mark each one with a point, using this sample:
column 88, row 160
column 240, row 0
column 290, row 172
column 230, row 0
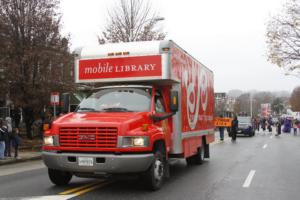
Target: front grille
column 101, row 137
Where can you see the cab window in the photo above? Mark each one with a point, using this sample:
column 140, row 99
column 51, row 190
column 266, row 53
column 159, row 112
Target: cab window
column 159, row 105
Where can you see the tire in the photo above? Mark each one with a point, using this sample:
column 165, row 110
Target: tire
column 198, row 158
column 190, row 160
column 59, row 177
column 155, row 175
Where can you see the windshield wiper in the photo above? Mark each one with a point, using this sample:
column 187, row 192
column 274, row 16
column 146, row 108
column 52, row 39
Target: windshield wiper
column 86, row 109
column 116, row 109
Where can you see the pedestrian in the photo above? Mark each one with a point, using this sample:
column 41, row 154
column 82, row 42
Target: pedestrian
column 258, row 125
column 234, row 128
column 287, row 125
column 221, row 129
column 3, row 133
column 278, row 127
column 16, row 141
column 295, row 127
column 16, row 116
column 263, row 124
column 8, row 125
column 270, row 123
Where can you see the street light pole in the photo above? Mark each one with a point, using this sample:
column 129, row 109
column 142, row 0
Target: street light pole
column 251, row 105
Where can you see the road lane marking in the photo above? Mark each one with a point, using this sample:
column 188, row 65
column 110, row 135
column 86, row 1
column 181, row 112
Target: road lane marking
column 249, row 179
column 69, row 194
column 265, row 146
column 52, row 197
column 70, row 191
column 92, row 188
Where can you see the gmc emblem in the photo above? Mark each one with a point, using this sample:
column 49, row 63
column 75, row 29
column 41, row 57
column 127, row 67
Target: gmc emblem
column 86, row 137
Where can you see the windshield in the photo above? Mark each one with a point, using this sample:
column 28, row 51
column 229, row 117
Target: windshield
column 244, row 119
column 117, row 100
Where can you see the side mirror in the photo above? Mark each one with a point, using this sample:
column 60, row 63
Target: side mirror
column 174, row 101
column 160, row 117
column 66, row 102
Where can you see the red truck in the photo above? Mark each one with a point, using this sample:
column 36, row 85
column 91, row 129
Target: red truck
column 155, row 102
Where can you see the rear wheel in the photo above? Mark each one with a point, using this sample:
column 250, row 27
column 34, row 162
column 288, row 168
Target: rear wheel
column 59, row 177
column 197, row 158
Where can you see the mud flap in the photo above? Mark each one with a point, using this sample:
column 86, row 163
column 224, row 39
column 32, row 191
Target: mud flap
column 206, row 151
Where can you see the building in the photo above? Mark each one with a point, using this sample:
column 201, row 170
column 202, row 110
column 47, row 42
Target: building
column 224, row 104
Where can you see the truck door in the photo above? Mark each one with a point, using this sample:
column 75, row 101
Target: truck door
column 160, row 107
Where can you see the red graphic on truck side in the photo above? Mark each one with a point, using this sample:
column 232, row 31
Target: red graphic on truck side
column 124, row 67
column 197, row 95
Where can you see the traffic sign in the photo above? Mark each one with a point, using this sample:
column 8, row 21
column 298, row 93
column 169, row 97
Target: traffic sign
column 54, row 99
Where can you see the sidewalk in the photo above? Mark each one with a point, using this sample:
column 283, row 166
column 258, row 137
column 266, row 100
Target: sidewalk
column 23, row 156
column 29, row 150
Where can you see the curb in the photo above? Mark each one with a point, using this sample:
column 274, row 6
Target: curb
column 34, row 147
column 13, row 161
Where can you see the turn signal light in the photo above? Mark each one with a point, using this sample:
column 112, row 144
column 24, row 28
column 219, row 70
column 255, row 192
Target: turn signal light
column 174, row 100
column 166, row 49
column 46, row 127
column 145, row 127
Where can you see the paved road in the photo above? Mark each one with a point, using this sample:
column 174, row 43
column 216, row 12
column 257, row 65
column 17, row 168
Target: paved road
column 262, row 167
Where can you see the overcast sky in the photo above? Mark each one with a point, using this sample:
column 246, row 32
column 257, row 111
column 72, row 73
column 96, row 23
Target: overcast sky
column 226, row 36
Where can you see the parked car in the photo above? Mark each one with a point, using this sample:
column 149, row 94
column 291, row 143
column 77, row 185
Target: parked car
column 245, row 126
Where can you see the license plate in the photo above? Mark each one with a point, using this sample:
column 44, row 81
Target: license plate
column 83, row 161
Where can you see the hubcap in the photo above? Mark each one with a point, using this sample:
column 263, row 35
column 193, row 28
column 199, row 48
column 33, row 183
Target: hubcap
column 202, row 153
column 158, row 170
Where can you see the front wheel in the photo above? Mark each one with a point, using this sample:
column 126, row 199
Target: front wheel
column 59, row 177
column 156, row 173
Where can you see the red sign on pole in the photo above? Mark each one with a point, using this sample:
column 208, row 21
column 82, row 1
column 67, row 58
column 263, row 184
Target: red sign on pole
column 54, row 100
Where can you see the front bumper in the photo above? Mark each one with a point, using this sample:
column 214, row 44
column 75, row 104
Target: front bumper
column 102, row 163
column 245, row 131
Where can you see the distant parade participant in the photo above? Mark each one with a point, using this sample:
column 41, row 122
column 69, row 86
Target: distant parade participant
column 270, row 123
column 234, row 128
column 221, row 130
column 278, row 124
column 257, row 124
column 295, row 127
column 263, row 124
column 287, row 125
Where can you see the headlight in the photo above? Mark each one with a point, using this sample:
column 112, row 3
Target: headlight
column 51, row 140
column 142, row 141
column 48, row 141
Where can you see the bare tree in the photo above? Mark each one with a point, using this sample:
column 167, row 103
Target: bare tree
column 131, row 20
column 278, row 105
column 295, row 99
column 283, row 38
column 35, row 57
column 242, row 103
